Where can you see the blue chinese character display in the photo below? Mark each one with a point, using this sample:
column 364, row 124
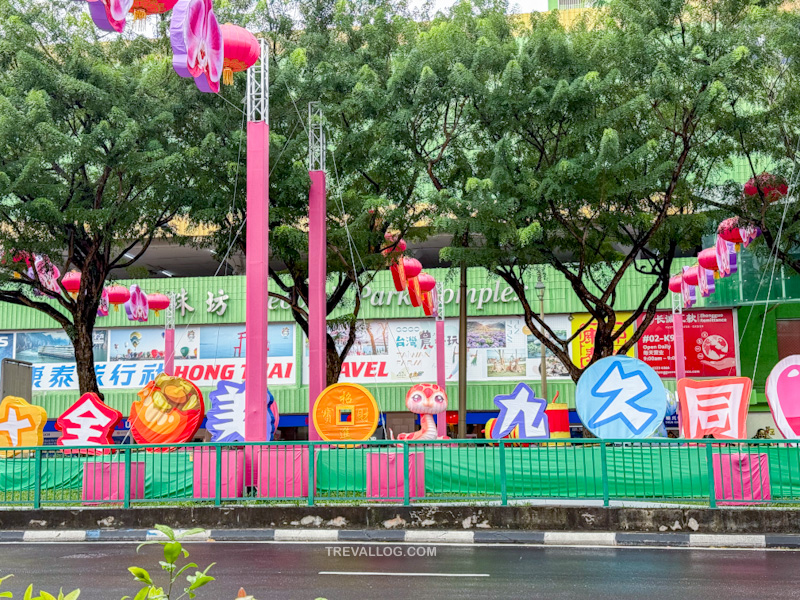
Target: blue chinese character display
column 226, row 416
column 620, row 397
column 521, row 407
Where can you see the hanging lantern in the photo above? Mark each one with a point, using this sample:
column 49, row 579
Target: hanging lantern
column 102, row 308
column 772, row 187
column 117, row 295
column 690, row 275
column 157, row 302
column 396, row 262
column 412, row 268
column 730, row 231
column 675, row 284
column 427, row 285
column 241, row 51
column 708, row 259
column 141, row 9
column 72, row 282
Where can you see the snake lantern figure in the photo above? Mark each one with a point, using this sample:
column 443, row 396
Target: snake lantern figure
column 426, row 400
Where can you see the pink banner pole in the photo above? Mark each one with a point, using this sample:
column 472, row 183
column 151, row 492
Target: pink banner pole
column 317, row 299
column 257, row 271
column 441, row 419
column 169, row 351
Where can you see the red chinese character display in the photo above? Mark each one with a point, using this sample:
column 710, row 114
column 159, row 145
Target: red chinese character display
column 715, row 407
column 88, row 422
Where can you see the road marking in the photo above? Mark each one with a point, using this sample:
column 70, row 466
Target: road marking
column 379, row 573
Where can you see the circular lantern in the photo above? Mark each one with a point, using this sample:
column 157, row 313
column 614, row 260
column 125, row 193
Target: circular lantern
column 157, row 302
column 675, row 284
column 241, row 51
column 426, row 282
column 118, row 294
column 427, row 285
column 708, row 259
column 412, row 268
column 772, row 186
column 729, row 230
column 72, row 282
column 691, row 276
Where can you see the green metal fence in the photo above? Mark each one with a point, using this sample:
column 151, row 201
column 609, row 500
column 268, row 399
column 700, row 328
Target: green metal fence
column 709, row 472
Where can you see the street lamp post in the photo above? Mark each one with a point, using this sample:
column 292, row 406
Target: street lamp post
column 540, row 289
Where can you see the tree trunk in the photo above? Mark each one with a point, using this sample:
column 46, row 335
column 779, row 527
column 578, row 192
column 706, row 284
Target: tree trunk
column 334, row 363
column 84, row 358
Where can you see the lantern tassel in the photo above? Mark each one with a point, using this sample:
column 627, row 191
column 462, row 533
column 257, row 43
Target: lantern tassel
column 227, row 76
column 737, row 247
column 116, row 308
column 157, row 313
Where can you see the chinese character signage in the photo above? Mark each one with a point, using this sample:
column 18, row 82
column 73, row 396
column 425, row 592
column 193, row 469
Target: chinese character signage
column 783, row 394
column 709, row 343
column 715, row 407
column 583, row 344
column 21, row 424
column 523, row 410
column 620, row 397
column 225, row 420
column 345, row 412
column 88, row 422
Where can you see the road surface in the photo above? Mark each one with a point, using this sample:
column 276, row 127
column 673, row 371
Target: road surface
column 336, row 571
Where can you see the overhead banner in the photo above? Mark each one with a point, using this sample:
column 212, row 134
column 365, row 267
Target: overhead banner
column 404, row 350
column 709, row 338
column 583, row 344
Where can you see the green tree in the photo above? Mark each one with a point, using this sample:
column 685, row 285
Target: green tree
column 102, row 146
column 591, row 142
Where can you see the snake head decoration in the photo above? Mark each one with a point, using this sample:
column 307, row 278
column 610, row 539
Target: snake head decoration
column 426, row 399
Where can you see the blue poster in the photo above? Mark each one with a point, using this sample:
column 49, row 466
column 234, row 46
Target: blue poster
column 6, row 345
column 620, row 397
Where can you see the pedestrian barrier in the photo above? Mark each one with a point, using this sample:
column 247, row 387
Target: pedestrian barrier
column 712, row 472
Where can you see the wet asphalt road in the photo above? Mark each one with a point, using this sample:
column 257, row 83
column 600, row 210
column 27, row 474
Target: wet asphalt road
column 293, row 571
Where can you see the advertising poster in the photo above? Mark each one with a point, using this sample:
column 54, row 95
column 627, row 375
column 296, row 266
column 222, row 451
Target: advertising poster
column 6, row 345
column 54, row 346
column 709, row 337
column 404, row 350
column 147, row 343
column 583, row 345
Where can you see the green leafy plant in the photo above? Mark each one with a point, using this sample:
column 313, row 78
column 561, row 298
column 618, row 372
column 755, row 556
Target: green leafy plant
column 173, row 551
column 73, row 595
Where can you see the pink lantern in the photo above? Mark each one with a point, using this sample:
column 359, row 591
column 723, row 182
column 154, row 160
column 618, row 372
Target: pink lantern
column 72, row 282
column 690, row 275
column 412, row 268
column 708, row 259
column 772, row 186
column 117, row 295
column 197, row 45
column 241, row 51
column 675, row 284
column 157, row 302
column 427, row 285
column 730, row 231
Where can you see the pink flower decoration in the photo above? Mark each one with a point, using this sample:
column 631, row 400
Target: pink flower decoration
column 102, row 309
column 110, row 14
column 197, row 46
column 136, row 307
column 47, row 272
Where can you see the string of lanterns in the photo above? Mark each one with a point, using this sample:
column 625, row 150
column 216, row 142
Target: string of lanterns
column 407, row 276
column 721, row 260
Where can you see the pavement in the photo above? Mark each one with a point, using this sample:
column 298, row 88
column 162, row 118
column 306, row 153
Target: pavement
column 414, row 571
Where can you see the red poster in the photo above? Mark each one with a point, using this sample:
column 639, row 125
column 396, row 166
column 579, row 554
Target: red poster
column 710, row 344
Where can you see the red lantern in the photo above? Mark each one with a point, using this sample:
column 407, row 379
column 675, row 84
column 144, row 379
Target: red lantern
column 772, row 186
column 729, row 230
column 72, row 282
column 396, row 265
column 675, row 283
column 412, row 268
column 691, row 276
column 241, row 51
column 157, row 302
column 142, row 8
column 427, row 285
column 117, row 295
column 708, row 259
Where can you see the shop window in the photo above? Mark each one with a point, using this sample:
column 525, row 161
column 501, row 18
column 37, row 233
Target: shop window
column 788, row 337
